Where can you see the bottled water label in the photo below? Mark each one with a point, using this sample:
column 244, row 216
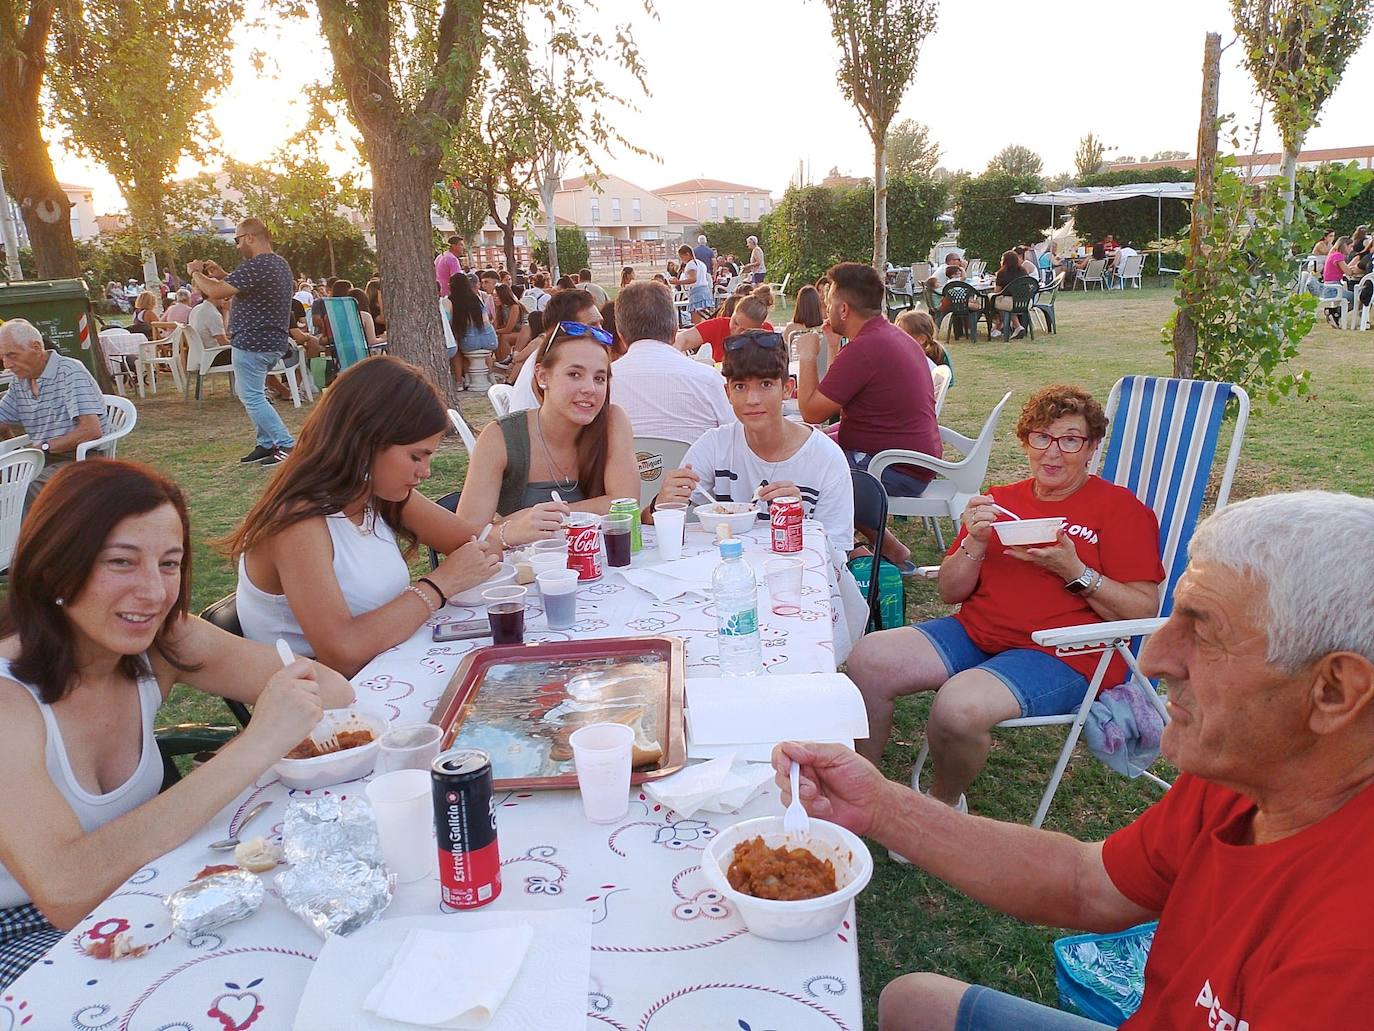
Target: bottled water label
column 741, row 624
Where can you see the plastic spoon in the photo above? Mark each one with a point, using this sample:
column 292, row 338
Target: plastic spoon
column 1006, row 511
column 233, row 840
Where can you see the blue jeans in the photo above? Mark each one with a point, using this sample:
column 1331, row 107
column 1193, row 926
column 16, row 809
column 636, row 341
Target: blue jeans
column 250, row 383
column 982, row 1009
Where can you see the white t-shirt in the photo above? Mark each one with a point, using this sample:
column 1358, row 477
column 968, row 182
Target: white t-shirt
column 756, row 259
column 534, row 299
column 208, row 323
column 730, row 471
column 522, row 397
column 1123, row 253
column 703, row 275
column 666, row 394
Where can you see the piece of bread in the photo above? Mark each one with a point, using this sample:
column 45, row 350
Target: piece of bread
column 257, row 855
column 524, row 573
column 645, row 755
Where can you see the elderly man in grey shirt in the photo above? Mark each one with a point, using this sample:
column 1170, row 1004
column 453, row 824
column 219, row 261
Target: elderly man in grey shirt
column 53, row 399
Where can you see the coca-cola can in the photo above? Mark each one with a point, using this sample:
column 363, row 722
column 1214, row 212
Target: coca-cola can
column 785, row 517
column 465, row 828
column 584, row 546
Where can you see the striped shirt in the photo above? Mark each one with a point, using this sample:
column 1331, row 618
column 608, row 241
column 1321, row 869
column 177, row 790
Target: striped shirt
column 66, row 391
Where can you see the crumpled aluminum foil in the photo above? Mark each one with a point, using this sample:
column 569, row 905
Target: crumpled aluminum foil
column 214, row 901
column 338, row 881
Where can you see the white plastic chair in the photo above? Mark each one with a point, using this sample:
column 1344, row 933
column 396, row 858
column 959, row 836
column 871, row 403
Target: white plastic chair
column 976, row 268
column 461, row 427
column 17, row 470
column 1161, row 446
column 1345, row 310
column 955, row 483
column 1129, row 271
column 1363, row 309
column 656, row 456
column 920, row 272
column 297, row 377
column 121, row 349
column 149, row 361
column 1093, row 272
column 200, row 362
column 780, row 289
column 940, row 377
column 120, row 417
column 499, row 395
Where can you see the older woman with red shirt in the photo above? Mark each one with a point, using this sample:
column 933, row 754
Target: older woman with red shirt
column 981, row 661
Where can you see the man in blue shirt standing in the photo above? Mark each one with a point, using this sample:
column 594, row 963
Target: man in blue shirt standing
column 704, row 254
column 259, row 324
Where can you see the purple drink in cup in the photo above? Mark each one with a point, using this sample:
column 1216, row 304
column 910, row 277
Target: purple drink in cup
column 618, row 539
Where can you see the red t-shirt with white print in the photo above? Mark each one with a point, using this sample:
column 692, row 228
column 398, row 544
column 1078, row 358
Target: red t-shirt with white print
column 1273, row 937
column 1112, row 532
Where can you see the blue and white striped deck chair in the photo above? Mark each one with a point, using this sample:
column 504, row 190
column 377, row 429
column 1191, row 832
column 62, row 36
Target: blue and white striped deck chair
column 1161, row 445
column 350, row 345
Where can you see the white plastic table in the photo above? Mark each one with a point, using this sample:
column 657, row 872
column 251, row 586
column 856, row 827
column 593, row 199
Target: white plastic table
column 668, row 953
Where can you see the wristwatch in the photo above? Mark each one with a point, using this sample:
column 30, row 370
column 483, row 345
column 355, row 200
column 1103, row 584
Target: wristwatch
column 1083, row 581
column 44, row 447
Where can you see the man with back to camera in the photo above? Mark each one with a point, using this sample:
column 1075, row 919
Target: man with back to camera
column 704, row 253
column 584, row 282
column 1256, row 862
column 259, row 325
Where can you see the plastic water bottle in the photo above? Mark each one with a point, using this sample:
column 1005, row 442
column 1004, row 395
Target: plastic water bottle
column 736, row 594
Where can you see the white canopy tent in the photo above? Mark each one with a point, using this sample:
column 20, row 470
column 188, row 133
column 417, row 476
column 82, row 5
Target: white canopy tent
column 1102, row 194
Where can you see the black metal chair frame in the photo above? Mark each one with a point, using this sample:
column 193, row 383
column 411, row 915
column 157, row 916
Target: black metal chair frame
column 959, row 307
column 450, row 502
column 868, row 496
column 1022, row 292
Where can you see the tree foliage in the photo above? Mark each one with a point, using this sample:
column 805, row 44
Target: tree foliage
column 1016, row 160
column 466, row 209
column 1296, row 51
column 910, row 150
column 1249, row 318
column 989, row 221
column 118, row 257
column 728, row 237
column 573, row 250
column 1139, row 219
column 1087, row 160
column 132, row 83
column 880, row 43
column 814, row 227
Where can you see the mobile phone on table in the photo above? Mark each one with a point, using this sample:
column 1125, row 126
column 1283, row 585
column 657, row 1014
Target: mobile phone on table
column 461, row 630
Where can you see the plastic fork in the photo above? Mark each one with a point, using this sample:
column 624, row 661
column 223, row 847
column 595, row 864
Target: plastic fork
column 795, row 822
column 1006, row 511
column 326, row 743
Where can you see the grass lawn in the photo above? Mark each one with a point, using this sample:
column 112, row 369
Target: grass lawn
column 908, row 921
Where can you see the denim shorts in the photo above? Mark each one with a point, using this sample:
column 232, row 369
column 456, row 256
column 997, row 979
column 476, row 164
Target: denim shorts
column 897, row 483
column 982, row 1009
column 1041, row 684
column 483, row 339
column 700, row 297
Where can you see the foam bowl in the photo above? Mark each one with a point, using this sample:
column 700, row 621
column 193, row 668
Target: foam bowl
column 337, row 767
column 1012, row 532
column 504, row 577
column 740, row 516
column 798, row 920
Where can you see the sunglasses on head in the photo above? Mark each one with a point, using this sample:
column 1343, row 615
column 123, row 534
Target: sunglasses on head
column 762, row 337
column 581, row 329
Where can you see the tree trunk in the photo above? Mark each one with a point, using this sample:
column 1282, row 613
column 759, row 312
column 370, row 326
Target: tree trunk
column 329, row 245
column 546, row 192
column 880, row 202
column 508, row 238
column 1185, row 331
column 1290, row 178
column 402, row 189
column 43, row 205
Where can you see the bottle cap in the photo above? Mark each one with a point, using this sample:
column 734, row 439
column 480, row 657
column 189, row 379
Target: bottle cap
column 731, row 547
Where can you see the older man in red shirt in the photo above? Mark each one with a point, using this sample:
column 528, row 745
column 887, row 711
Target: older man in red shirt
column 1256, row 862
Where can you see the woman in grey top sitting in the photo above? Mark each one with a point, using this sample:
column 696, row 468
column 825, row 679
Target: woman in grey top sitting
column 575, row 443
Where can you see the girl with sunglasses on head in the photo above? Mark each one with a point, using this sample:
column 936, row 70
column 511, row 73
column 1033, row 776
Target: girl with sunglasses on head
column 576, row 443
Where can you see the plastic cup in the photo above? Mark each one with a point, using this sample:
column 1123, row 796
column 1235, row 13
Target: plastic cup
column 412, row 746
column 783, row 577
column 601, row 754
column 506, row 613
column 554, row 545
column 542, row 563
column 558, row 587
column 616, row 529
column 669, row 523
column 405, row 822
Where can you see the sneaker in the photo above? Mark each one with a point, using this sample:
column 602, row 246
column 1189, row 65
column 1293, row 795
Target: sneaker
column 257, row 455
column 1019, row 333
column 907, row 568
column 277, row 457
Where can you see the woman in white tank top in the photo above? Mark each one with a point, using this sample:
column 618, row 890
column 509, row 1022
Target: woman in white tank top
column 96, row 630
column 319, row 559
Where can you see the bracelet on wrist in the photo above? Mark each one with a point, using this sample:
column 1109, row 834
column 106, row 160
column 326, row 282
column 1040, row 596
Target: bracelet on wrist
column 443, row 598
column 501, row 536
column 1097, row 582
column 963, row 547
column 425, row 599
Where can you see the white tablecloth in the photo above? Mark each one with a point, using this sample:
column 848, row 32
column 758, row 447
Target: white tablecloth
column 668, row 953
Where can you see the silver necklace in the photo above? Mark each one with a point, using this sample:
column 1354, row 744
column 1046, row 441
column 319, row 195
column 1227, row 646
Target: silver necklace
column 563, row 481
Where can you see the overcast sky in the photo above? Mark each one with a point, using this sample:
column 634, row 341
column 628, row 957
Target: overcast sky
column 744, row 91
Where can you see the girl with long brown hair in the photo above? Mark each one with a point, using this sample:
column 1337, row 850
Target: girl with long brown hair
column 96, row 630
column 320, row 557
column 576, row 443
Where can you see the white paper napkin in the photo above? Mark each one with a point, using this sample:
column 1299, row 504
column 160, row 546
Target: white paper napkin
column 550, row 989
column 424, row 985
column 669, row 580
column 751, row 714
column 723, row 785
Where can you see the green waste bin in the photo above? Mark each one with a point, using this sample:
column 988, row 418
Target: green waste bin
column 61, row 309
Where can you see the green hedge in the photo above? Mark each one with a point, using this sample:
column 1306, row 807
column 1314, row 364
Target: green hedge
column 573, row 252
column 1359, row 212
column 988, row 219
column 816, row 227
column 1136, row 220
column 728, row 237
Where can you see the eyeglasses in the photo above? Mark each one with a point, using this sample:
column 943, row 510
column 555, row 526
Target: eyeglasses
column 581, row 329
column 243, row 237
column 762, row 337
column 1069, row 444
